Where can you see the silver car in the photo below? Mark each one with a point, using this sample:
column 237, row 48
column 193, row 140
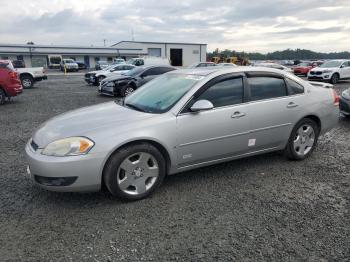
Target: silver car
column 179, row 121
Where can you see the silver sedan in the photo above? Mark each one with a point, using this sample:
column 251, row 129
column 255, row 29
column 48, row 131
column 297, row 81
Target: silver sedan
column 179, row 121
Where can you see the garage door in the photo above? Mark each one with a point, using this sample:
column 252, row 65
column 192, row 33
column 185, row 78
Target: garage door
column 154, row 52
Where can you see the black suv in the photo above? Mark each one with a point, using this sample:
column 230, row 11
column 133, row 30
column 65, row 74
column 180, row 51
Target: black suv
column 127, row 83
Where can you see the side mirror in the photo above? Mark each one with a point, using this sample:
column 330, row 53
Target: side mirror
column 342, row 66
column 202, row 105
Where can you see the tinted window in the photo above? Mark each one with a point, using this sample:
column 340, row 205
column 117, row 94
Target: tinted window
column 153, row 71
column 266, row 87
column 163, row 70
column 294, row 87
column 224, row 93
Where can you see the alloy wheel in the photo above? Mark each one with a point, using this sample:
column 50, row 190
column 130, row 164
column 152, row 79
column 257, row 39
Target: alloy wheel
column 137, row 173
column 26, row 83
column 128, row 91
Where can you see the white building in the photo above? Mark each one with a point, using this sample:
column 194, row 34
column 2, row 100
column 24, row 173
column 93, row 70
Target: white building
column 180, row 54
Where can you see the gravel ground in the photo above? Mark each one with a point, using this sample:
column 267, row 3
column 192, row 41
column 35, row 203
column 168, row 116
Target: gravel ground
column 259, row 208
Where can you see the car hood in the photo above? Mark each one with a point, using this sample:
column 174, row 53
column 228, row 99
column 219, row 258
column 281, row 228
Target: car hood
column 323, row 68
column 72, row 64
column 94, row 72
column 84, row 120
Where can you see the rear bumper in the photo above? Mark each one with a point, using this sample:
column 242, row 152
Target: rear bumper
column 65, row 174
column 344, row 106
column 39, row 78
column 13, row 90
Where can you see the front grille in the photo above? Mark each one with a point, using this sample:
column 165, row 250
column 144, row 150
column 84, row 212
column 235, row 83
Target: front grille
column 34, row 145
column 312, row 72
column 318, row 73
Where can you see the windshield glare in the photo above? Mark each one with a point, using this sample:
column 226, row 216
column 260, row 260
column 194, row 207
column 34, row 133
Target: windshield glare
column 69, row 61
column 160, row 94
column 332, row 64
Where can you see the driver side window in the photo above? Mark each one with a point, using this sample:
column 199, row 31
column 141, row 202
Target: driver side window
column 224, row 93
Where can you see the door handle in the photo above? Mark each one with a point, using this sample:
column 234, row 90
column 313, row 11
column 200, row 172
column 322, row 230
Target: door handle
column 237, row 114
column 291, row 105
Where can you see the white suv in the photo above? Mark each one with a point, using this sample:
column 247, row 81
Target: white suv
column 332, row 71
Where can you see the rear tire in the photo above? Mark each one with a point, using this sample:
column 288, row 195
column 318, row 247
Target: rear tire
column 2, row 97
column 134, row 172
column 27, row 81
column 302, row 140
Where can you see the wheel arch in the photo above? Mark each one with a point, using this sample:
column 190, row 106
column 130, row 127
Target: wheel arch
column 316, row 119
column 26, row 74
column 154, row 143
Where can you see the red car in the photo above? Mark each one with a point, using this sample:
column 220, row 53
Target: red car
column 10, row 85
column 304, row 67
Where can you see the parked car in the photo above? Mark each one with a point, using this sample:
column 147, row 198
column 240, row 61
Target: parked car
column 304, row 67
column 30, row 75
column 10, row 84
column 95, row 77
column 69, row 64
column 275, row 66
column 81, row 65
column 148, row 60
column 119, row 61
column 114, row 70
column 344, row 103
column 202, row 64
column 179, row 121
column 332, row 71
column 18, row 64
column 100, row 65
column 127, row 83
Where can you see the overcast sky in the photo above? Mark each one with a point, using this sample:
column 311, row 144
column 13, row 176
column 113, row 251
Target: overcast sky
column 249, row 25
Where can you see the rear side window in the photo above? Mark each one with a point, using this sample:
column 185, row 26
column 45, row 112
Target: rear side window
column 224, row 93
column 165, row 69
column 153, row 71
column 294, row 88
column 266, row 88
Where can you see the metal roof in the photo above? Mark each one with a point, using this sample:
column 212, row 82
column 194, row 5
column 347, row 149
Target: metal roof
column 163, row 43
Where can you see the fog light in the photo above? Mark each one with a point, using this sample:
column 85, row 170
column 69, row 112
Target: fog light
column 326, row 76
column 55, row 181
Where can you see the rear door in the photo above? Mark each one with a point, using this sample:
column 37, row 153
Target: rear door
column 276, row 104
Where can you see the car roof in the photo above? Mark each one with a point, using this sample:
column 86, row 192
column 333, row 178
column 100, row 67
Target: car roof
column 224, row 70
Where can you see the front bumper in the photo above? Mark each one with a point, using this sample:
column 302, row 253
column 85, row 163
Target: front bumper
column 344, row 106
column 322, row 77
column 74, row 173
column 106, row 90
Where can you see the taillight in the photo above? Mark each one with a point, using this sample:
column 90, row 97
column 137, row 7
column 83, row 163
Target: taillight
column 335, row 98
column 13, row 74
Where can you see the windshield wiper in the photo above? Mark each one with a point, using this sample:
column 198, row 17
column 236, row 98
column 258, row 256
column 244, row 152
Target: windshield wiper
column 134, row 107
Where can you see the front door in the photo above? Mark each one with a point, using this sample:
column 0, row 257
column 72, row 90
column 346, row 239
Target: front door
column 217, row 133
column 345, row 70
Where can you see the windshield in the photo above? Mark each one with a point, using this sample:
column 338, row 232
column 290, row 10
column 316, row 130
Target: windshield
column 134, row 71
column 160, row 94
column 69, row 61
column 303, row 64
column 332, row 64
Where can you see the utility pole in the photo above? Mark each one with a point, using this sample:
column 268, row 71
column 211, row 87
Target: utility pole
column 104, row 42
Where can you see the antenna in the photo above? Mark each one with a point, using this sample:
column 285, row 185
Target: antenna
column 104, row 42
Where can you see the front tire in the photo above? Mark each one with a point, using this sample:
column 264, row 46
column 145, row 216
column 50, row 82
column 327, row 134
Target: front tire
column 27, row 82
column 303, row 140
column 134, row 172
column 334, row 79
column 127, row 90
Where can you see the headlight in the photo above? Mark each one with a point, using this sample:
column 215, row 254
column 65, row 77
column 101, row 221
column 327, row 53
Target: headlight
column 110, row 84
column 327, row 71
column 71, row 146
column 346, row 94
